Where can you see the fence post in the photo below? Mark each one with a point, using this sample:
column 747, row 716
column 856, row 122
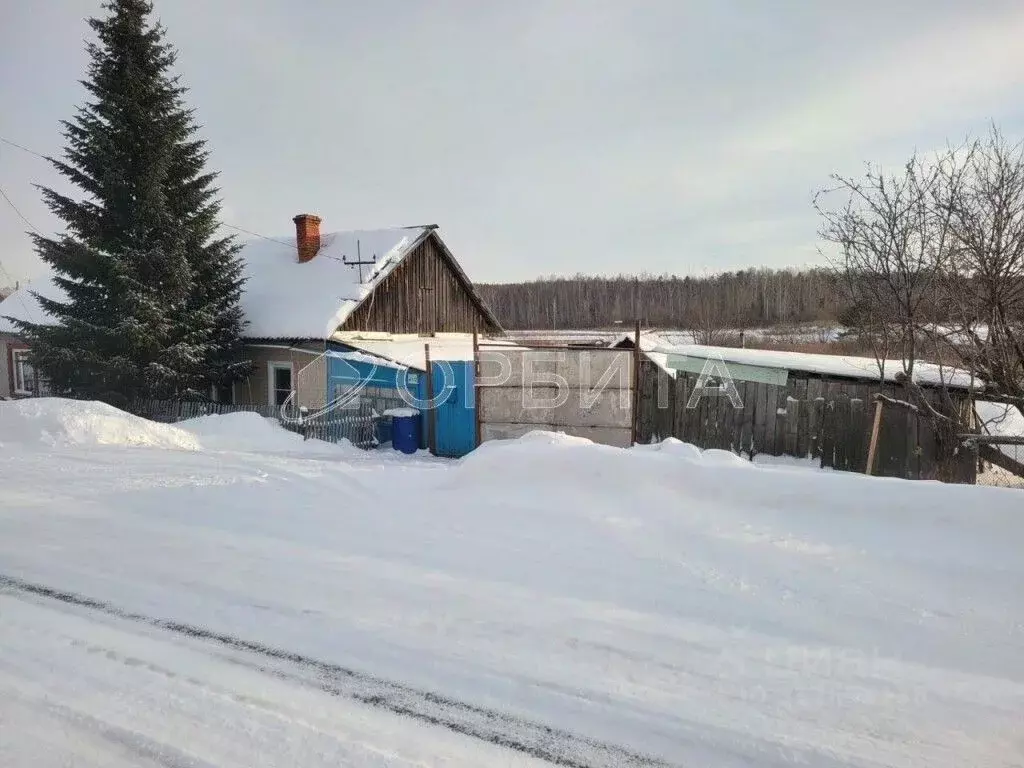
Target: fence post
column 636, row 383
column 476, row 391
column 873, row 445
column 429, row 415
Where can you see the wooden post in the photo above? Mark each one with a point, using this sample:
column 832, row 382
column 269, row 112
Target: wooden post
column 636, row 383
column 429, row 415
column 476, row 389
column 873, row 445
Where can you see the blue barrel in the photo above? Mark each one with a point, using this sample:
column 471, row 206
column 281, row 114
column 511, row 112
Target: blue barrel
column 405, row 431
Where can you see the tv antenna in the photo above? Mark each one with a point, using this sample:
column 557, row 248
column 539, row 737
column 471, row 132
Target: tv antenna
column 358, row 262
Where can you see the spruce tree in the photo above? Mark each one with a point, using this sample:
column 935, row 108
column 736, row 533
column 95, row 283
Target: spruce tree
column 152, row 305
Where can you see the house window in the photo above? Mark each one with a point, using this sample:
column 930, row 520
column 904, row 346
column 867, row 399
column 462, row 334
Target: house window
column 24, row 373
column 279, row 377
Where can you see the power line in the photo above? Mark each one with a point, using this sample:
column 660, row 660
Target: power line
column 11, row 280
column 21, row 216
column 257, row 234
column 40, row 155
column 23, row 148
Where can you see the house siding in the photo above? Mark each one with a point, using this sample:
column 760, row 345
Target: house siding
column 400, row 305
column 309, row 374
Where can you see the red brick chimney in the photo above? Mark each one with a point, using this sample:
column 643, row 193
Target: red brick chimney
column 307, row 235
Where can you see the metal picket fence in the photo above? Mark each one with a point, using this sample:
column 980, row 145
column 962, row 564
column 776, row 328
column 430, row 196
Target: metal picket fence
column 362, row 423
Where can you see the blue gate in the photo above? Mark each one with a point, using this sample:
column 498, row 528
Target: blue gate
column 455, row 416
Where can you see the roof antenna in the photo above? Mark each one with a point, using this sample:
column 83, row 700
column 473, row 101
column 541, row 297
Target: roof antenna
column 359, row 263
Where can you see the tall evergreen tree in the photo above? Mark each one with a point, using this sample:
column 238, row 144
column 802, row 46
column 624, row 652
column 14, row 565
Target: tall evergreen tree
column 153, row 293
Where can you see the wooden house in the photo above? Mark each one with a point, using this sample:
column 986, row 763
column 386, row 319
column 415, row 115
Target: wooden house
column 303, row 288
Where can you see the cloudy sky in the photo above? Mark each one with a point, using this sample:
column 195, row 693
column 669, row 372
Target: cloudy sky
column 659, row 136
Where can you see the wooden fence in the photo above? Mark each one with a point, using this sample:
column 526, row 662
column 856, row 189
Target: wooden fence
column 811, row 417
column 170, row 411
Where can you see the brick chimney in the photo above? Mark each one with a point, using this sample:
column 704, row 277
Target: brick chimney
column 307, row 235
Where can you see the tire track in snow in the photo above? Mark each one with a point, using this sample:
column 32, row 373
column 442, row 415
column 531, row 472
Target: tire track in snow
column 544, row 742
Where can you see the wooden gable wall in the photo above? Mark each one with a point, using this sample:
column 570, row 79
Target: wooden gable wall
column 401, row 305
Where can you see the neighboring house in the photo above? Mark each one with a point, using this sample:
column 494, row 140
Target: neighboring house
column 304, row 288
column 17, row 377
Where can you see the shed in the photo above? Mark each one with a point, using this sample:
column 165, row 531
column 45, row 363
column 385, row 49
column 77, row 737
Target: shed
column 794, row 404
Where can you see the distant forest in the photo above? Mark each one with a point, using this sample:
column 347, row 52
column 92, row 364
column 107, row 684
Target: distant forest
column 745, row 299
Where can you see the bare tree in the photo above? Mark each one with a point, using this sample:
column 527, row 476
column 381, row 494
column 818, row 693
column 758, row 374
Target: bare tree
column 892, row 242
column 706, row 324
column 983, row 280
column 932, row 260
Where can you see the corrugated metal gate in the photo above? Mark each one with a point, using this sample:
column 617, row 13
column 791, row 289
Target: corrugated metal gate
column 448, row 428
column 454, row 419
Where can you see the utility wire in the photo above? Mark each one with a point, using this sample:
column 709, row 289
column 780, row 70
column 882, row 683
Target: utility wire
column 40, row 155
column 15, row 208
column 257, row 234
column 23, row 148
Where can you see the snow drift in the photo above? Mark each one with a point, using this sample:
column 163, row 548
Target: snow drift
column 687, row 605
column 58, row 423
column 246, row 431
column 50, row 422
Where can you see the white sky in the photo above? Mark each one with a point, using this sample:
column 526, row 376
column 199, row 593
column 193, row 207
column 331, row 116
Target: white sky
column 544, row 137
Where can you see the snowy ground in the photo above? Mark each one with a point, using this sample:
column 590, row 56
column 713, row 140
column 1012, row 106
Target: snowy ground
column 225, row 595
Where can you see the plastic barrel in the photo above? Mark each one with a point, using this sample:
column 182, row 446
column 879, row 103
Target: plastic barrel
column 405, row 433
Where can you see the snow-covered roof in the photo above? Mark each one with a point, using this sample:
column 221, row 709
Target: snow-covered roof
column 408, row 348
column 658, row 345
column 23, row 305
column 286, row 299
column 282, row 298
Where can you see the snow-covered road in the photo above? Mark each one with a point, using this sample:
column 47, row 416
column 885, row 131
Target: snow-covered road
column 77, row 689
column 688, row 608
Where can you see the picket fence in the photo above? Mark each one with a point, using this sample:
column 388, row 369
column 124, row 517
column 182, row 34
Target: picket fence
column 362, row 424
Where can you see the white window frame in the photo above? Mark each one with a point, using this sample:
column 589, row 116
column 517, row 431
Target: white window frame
column 18, row 360
column 271, row 368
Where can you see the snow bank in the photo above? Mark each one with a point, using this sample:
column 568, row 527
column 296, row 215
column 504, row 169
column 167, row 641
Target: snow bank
column 52, row 422
column 703, row 611
column 675, row 446
column 253, row 433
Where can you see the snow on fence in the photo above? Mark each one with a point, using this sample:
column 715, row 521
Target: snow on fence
column 359, row 424
column 362, row 423
column 170, row 411
column 810, row 417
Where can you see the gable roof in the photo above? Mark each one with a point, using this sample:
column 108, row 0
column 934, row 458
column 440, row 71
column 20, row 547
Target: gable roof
column 285, row 299
column 23, row 305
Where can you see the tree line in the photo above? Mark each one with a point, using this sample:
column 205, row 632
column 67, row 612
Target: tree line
column 742, row 299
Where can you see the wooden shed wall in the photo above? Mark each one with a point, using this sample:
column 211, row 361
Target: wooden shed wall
column 811, row 417
column 400, row 305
